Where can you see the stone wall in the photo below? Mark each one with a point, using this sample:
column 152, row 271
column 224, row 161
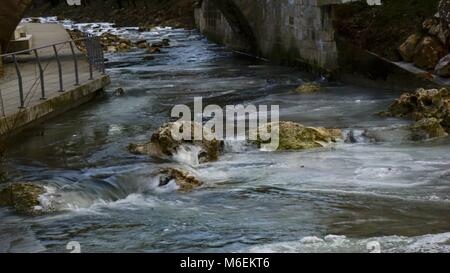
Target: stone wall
column 288, row 31
column 211, row 22
column 1, row 63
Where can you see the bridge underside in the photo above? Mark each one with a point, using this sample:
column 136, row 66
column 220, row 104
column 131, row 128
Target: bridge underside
column 288, row 31
column 11, row 13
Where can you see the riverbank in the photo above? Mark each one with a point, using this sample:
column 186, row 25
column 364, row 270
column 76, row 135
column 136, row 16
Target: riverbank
column 382, row 29
column 145, row 14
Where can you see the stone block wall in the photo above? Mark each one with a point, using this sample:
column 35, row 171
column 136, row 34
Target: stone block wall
column 288, row 31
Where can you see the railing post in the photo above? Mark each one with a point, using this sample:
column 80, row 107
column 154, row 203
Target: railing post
column 58, row 61
column 97, row 54
column 89, row 47
column 102, row 55
column 77, row 80
column 41, row 75
column 19, row 78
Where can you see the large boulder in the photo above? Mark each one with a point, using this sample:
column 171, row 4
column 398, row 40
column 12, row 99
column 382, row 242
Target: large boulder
column 184, row 180
column 164, row 143
column 435, row 27
column 295, row 136
column 427, row 128
column 428, row 52
column 408, row 48
column 420, row 104
column 443, row 67
column 23, row 197
column 429, row 108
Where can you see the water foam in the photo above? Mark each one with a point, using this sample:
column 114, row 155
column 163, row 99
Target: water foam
column 338, row 243
column 188, row 154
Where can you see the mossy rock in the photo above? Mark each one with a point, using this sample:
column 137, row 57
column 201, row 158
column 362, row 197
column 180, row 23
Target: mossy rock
column 23, row 197
column 423, row 105
column 185, row 181
column 295, row 136
column 308, row 88
column 428, row 128
column 164, row 143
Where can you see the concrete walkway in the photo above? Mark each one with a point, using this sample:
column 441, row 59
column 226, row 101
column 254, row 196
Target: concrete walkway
column 44, row 34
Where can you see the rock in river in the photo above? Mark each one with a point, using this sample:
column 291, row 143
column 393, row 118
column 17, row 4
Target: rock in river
column 153, row 50
column 141, row 44
column 295, row 136
column 23, row 197
column 421, row 104
column 184, row 180
column 308, row 88
column 429, row 108
column 148, row 58
column 164, row 142
column 427, row 128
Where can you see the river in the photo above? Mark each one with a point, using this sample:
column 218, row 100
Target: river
column 391, row 191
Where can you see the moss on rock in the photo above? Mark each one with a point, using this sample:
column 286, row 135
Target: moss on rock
column 429, row 108
column 427, row 128
column 295, row 136
column 23, row 197
column 309, row 87
column 164, row 143
column 183, row 179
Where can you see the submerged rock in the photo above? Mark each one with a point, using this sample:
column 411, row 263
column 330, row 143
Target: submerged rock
column 153, row 50
column 295, row 136
column 162, row 43
column 308, row 88
column 119, row 92
column 351, row 138
column 141, row 44
column 184, row 180
column 163, row 142
column 148, row 58
column 23, row 197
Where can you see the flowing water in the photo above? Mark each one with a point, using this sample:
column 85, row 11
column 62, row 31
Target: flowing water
column 385, row 188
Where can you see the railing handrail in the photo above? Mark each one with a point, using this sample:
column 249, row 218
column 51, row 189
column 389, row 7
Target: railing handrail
column 42, row 47
column 94, row 54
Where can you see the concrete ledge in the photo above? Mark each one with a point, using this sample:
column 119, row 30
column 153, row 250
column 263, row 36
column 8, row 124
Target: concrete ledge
column 33, row 115
column 368, row 69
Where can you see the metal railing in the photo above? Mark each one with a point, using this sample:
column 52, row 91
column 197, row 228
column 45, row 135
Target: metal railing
column 89, row 47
